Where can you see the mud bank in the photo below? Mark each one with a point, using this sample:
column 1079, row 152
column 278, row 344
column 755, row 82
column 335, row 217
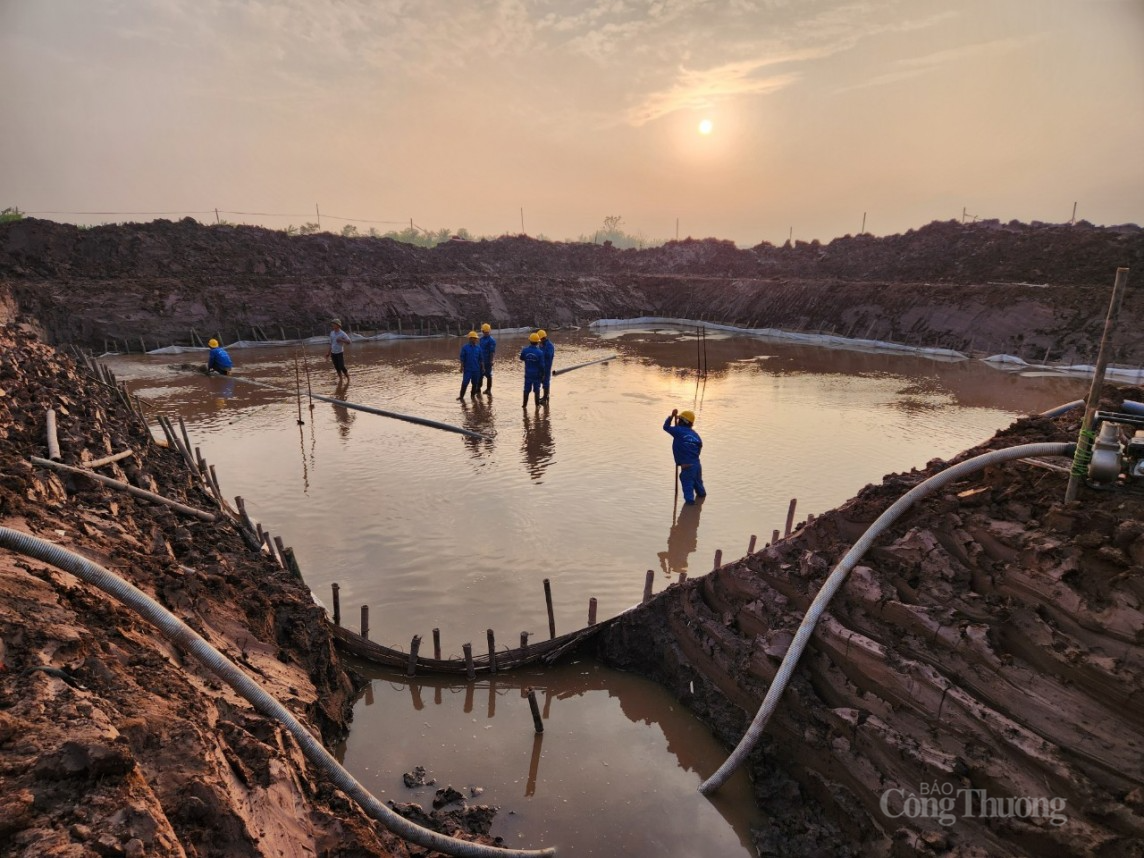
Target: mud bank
column 1037, row 291
column 992, row 640
column 112, row 741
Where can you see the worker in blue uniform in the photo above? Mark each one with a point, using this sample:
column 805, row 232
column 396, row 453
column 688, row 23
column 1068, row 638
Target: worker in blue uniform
column 686, row 445
column 471, row 366
column 488, row 352
column 218, row 361
column 533, row 359
column 549, row 351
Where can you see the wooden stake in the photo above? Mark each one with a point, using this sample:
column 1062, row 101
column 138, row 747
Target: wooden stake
column 492, row 651
column 751, row 545
column 437, row 644
column 537, row 723
column 790, row 516
column 469, row 669
column 365, row 621
column 337, row 604
column 548, row 602
column 414, row 646
column 53, row 438
column 648, row 580
column 592, row 611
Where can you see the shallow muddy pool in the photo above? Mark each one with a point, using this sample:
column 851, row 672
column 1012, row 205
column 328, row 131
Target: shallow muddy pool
column 437, row 530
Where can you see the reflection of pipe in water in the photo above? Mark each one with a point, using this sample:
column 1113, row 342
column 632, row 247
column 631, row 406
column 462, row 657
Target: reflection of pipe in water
column 534, row 765
column 305, row 466
column 468, row 698
column 415, row 694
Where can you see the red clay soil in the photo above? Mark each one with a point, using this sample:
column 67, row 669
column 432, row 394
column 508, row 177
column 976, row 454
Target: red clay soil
column 113, row 742
column 992, row 640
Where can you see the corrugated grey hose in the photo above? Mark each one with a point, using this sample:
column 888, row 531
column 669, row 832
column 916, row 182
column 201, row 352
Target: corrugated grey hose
column 184, row 636
column 838, row 576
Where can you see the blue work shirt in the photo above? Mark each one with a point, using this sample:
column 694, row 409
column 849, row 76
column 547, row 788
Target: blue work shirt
column 471, row 358
column 549, row 351
column 219, row 359
column 686, row 443
column 533, row 359
column 488, row 351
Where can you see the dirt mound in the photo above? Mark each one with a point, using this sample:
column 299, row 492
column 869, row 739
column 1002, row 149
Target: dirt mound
column 987, row 652
column 1039, row 291
column 112, row 741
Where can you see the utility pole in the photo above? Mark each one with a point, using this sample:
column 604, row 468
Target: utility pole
column 522, row 232
column 1073, row 219
column 318, row 212
column 863, row 232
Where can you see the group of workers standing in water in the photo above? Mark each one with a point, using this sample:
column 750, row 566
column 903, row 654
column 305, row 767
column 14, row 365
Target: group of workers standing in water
column 476, row 358
column 477, row 365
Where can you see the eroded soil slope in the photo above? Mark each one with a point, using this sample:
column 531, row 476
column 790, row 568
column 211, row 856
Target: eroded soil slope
column 992, row 640
column 112, row 741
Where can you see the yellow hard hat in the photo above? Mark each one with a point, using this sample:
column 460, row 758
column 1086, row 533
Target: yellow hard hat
column 688, row 416
column 534, row 338
column 486, row 327
column 542, row 334
column 213, row 344
column 473, row 335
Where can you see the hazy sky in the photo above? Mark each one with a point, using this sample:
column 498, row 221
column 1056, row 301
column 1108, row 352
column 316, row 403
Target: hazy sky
column 461, row 114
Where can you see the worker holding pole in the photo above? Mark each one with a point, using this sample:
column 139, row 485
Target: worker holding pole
column 471, row 366
column 686, row 445
column 488, row 352
column 549, row 352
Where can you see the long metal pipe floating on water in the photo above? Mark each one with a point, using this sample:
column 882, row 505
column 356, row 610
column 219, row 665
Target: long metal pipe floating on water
column 836, row 578
column 189, row 640
column 422, row 421
column 586, row 363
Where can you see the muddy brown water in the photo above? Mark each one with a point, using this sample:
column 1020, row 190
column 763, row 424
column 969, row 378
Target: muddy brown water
column 436, row 530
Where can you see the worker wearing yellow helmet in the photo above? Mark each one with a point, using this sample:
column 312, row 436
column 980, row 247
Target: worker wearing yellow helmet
column 488, row 352
column 471, row 365
column 686, row 445
column 549, row 351
column 218, row 360
column 533, row 359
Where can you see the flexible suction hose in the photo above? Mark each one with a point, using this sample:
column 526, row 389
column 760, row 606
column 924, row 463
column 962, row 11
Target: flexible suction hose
column 185, row 637
column 838, row 576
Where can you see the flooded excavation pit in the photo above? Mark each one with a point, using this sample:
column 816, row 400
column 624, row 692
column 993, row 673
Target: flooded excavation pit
column 432, row 530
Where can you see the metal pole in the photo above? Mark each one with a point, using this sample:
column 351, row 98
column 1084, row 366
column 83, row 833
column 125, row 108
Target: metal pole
column 1084, row 440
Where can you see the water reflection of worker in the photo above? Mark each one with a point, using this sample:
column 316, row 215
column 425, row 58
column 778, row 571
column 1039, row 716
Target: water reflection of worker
column 343, row 415
column 478, row 418
column 549, row 351
column 470, row 358
column 218, row 360
column 223, row 394
column 537, row 444
column 682, row 540
column 686, row 445
column 533, row 359
column 488, row 352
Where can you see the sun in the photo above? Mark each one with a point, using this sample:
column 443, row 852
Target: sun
column 706, row 126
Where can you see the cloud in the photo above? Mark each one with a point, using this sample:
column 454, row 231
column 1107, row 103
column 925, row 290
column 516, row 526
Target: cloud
column 699, row 89
column 916, row 66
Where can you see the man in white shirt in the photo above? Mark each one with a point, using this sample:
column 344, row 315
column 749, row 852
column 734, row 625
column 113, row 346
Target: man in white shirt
column 339, row 339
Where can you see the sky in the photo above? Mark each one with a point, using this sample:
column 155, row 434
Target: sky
column 547, row 116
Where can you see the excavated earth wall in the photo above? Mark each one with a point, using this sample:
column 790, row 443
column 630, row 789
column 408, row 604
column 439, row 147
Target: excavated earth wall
column 1038, row 291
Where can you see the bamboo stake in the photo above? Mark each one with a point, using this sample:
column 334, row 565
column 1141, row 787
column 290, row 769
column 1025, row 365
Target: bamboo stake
column 337, row 605
column 414, row 646
column 107, row 460
column 790, row 516
column 1084, row 440
column 548, row 602
column 53, row 438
